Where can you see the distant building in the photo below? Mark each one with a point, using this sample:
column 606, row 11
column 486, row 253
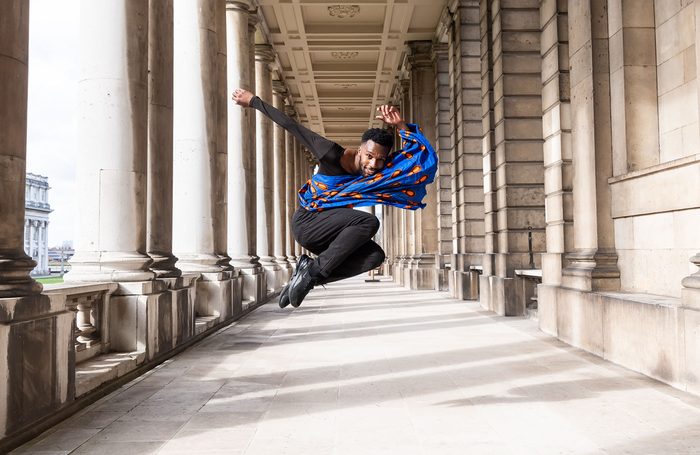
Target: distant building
column 36, row 222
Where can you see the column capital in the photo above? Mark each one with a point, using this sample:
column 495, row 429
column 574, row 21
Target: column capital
column 438, row 51
column 279, row 88
column 239, row 5
column 253, row 19
column 419, row 54
column 264, row 53
column 289, row 110
column 404, row 86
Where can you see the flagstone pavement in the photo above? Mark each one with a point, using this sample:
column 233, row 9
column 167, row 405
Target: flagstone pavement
column 373, row 368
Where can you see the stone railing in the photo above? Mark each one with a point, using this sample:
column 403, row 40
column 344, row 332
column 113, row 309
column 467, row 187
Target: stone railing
column 88, row 303
column 73, row 343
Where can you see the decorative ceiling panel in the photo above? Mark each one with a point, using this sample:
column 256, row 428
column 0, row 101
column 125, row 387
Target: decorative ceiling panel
column 342, row 60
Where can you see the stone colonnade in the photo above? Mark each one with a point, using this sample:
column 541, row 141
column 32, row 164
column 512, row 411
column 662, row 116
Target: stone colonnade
column 567, row 135
column 185, row 199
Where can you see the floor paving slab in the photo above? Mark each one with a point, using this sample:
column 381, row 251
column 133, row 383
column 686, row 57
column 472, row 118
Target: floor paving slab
column 383, row 370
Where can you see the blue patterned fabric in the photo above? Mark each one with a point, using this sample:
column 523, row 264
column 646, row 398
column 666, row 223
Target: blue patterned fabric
column 401, row 183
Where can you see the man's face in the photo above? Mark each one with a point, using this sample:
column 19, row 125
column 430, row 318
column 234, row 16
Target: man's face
column 372, row 158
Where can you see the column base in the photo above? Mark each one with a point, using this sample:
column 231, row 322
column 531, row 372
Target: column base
column 225, row 262
column 199, row 262
column 163, row 265
column 14, row 276
column 592, row 270
column 109, row 266
column 423, row 273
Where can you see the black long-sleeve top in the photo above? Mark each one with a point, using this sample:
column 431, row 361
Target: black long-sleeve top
column 327, row 152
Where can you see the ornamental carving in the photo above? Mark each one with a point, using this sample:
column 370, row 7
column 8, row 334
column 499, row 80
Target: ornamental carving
column 345, row 86
column 346, row 108
column 342, row 11
column 344, row 55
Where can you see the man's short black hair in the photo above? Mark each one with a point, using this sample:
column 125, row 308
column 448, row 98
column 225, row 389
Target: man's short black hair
column 379, row 136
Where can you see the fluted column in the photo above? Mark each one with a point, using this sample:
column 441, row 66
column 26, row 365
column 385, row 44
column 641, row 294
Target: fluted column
column 279, row 93
column 290, row 191
column 241, row 153
column 15, row 265
column 159, row 238
column 195, row 136
column 264, row 156
column 112, row 143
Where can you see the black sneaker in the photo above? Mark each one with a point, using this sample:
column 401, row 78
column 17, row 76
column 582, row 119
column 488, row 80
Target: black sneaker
column 284, row 295
column 302, row 283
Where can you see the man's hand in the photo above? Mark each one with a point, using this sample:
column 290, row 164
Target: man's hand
column 242, row 97
column 391, row 116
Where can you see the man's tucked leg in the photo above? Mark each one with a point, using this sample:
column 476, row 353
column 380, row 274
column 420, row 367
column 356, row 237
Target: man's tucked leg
column 334, row 235
column 367, row 257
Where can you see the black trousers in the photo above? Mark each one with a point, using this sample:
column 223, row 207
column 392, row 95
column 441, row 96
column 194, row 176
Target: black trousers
column 341, row 238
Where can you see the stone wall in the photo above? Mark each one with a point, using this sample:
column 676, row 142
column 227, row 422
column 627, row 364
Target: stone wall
column 655, row 205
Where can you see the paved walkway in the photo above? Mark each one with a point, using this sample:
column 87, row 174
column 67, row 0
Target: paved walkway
column 377, row 369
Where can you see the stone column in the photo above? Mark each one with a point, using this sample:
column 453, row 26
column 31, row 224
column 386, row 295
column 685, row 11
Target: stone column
column 290, row 192
column 35, row 330
column 15, row 264
column 242, row 208
column 298, row 183
column 112, row 162
column 556, row 124
column 264, row 156
column 594, row 260
column 279, row 94
column 518, row 165
column 633, row 95
column 195, row 136
column 221, row 179
column 425, row 273
column 488, row 147
column 405, row 219
column 467, row 128
column 199, row 202
column 159, row 239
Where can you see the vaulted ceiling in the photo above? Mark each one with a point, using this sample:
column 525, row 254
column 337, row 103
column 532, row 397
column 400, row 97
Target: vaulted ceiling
column 341, row 61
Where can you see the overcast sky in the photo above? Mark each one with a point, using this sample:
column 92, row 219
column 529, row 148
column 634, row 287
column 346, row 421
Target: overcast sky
column 53, row 78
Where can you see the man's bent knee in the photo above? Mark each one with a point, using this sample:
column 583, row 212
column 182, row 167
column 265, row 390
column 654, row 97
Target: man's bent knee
column 376, row 258
column 373, row 223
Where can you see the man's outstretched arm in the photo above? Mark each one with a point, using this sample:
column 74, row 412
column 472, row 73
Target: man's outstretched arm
column 318, row 145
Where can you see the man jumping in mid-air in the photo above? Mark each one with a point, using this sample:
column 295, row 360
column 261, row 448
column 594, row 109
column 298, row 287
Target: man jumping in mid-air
column 325, row 222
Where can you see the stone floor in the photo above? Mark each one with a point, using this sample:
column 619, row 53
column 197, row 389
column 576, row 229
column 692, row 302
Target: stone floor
column 372, row 368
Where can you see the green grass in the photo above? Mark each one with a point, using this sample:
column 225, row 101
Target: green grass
column 50, row 280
